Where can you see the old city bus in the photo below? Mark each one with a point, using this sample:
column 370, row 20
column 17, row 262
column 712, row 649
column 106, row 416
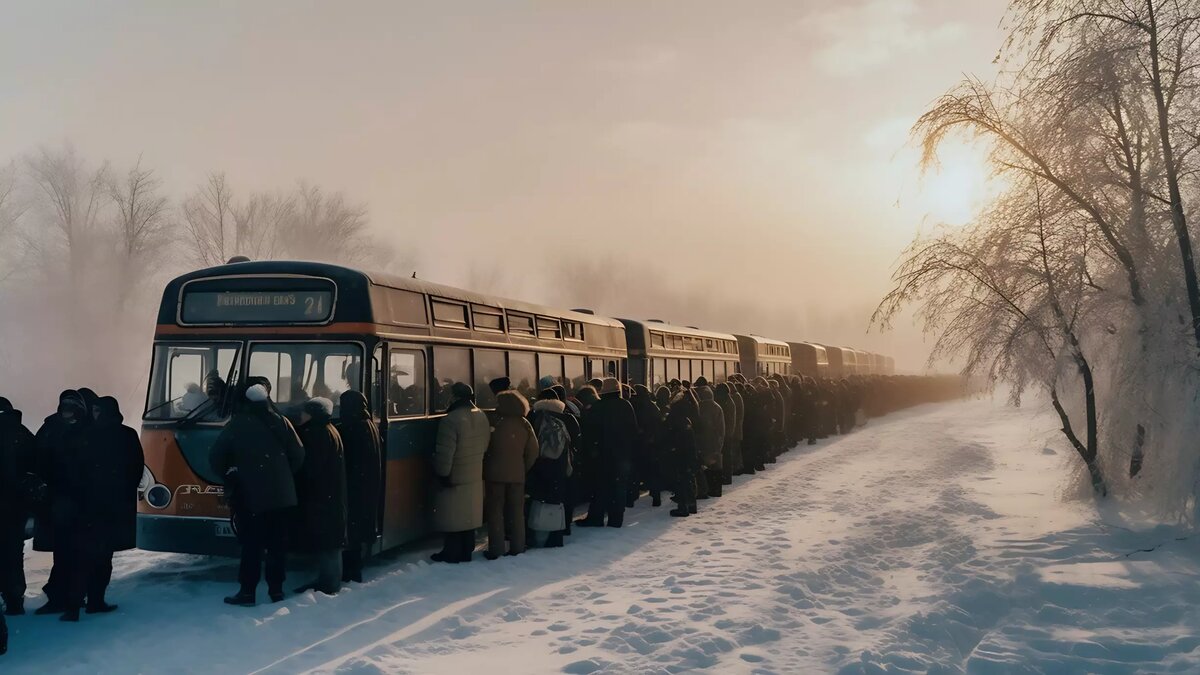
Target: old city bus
column 763, row 356
column 809, row 360
column 660, row 352
column 837, row 362
column 317, row 330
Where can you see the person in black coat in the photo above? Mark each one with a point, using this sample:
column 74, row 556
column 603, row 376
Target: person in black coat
column 362, row 445
column 680, row 457
column 49, row 442
column 646, row 460
column 17, row 448
column 610, row 428
column 61, row 441
column 321, row 493
column 551, row 479
column 102, row 483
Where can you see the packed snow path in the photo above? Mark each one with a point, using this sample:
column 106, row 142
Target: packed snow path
column 931, row 540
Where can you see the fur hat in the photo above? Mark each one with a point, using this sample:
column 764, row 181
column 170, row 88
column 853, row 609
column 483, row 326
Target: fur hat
column 257, row 393
column 500, row 384
column 610, row 385
column 318, row 406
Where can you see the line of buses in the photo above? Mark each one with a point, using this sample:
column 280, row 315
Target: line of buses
column 315, row 329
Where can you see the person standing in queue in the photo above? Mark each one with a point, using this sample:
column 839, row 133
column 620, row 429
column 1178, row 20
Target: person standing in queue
column 102, row 482
column 710, row 439
column 610, row 428
column 511, row 452
column 647, row 465
column 321, row 494
column 729, row 413
column 362, row 445
column 17, row 450
column 258, row 454
column 462, row 442
column 552, row 480
column 680, row 456
column 64, row 440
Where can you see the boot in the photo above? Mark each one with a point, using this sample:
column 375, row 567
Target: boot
column 656, row 500
column 71, row 615
column 100, row 608
column 276, row 595
column 241, row 599
column 692, row 507
column 679, row 512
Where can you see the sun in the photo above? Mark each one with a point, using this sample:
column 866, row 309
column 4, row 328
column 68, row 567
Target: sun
column 956, row 190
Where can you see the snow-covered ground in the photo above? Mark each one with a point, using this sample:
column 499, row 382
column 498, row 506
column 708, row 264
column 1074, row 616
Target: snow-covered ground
column 933, row 540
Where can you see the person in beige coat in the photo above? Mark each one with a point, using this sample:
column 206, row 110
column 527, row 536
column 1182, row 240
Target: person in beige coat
column 511, row 453
column 462, row 441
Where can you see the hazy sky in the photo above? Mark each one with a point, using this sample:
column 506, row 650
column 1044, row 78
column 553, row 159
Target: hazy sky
column 740, row 147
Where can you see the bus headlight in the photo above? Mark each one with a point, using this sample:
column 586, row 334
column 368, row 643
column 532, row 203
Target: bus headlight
column 158, row 496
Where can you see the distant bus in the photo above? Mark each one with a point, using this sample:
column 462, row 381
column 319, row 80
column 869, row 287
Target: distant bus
column 763, row 356
column 660, row 352
column 809, row 360
column 318, row 330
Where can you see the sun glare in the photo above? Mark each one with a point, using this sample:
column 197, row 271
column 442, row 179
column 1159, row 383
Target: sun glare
column 954, row 192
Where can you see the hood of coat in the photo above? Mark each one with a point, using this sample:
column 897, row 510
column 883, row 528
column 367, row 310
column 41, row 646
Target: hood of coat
column 704, row 393
column 662, row 396
column 641, row 390
column 721, row 391
column 73, row 403
column 353, row 406
column 550, row 405
column 108, row 411
column 8, row 414
column 511, row 404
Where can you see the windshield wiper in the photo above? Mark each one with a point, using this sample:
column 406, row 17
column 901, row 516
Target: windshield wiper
column 160, row 405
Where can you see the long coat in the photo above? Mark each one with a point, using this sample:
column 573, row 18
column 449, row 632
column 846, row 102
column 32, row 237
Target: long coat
column 462, row 442
column 17, row 449
column 611, row 429
column 321, row 487
column 361, row 443
column 514, row 445
column 107, row 477
column 710, row 435
column 729, row 411
column 262, row 445
column 549, row 478
column 50, row 444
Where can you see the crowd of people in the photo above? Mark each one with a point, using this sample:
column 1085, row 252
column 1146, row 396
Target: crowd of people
column 314, row 487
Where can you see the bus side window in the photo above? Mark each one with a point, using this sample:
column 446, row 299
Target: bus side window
column 406, row 383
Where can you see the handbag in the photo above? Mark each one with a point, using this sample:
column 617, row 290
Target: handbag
column 546, row 517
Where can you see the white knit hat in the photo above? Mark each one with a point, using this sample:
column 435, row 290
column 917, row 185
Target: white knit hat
column 257, row 393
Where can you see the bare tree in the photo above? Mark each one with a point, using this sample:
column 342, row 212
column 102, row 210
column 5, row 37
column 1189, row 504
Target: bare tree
column 11, row 211
column 71, row 198
column 325, row 227
column 143, row 227
column 209, row 216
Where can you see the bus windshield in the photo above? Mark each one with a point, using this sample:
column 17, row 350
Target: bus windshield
column 298, row 371
column 189, row 380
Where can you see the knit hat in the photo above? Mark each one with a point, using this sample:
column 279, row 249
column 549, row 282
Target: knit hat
column 610, row 385
column 546, row 382
column 257, row 393
column 319, row 406
column 701, row 381
column 548, row 394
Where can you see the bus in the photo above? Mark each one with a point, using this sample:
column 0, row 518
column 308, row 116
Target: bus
column 763, row 356
column 660, row 352
column 809, row 360
column 314, row 329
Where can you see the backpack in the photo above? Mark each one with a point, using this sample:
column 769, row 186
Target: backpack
column 553, row 438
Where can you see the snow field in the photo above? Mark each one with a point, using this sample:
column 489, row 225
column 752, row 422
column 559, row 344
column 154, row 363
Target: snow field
column 932, row 540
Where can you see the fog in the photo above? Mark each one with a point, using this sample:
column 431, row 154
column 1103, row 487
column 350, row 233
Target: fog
column 736, row 167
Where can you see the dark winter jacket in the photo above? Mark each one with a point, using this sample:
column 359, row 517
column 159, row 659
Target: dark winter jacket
column 106, row 479
column 258, row 454
column 17, row 451
column 679, row 452
column 611, row 430
column 710, row 436
column 361, row 444
column 59, row 444
column 321, row 486
column 514, row 445
column 729, row 414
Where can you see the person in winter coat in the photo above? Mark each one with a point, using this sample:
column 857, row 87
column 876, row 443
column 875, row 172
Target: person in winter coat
column 102, row 483
column 321, row 494
column 61, row 441
column 646, row 460
column 554, row 478
column 710, row 440
column 729, row 415
column 462, row 441
column 680, row 457
column 363, row 454
column 737, row 393
column 610, row 429
column 258, row 454
column 510, row 455
column 17, row 450
column 756, row 431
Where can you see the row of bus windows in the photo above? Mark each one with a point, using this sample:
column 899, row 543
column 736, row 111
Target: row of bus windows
column 689, row 343
column 407, row 375
column 451, row 314
column 663, row 371
column 772, row 367
column 774, row 350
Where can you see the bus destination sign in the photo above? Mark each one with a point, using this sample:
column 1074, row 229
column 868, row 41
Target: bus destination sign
column 256, row 307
